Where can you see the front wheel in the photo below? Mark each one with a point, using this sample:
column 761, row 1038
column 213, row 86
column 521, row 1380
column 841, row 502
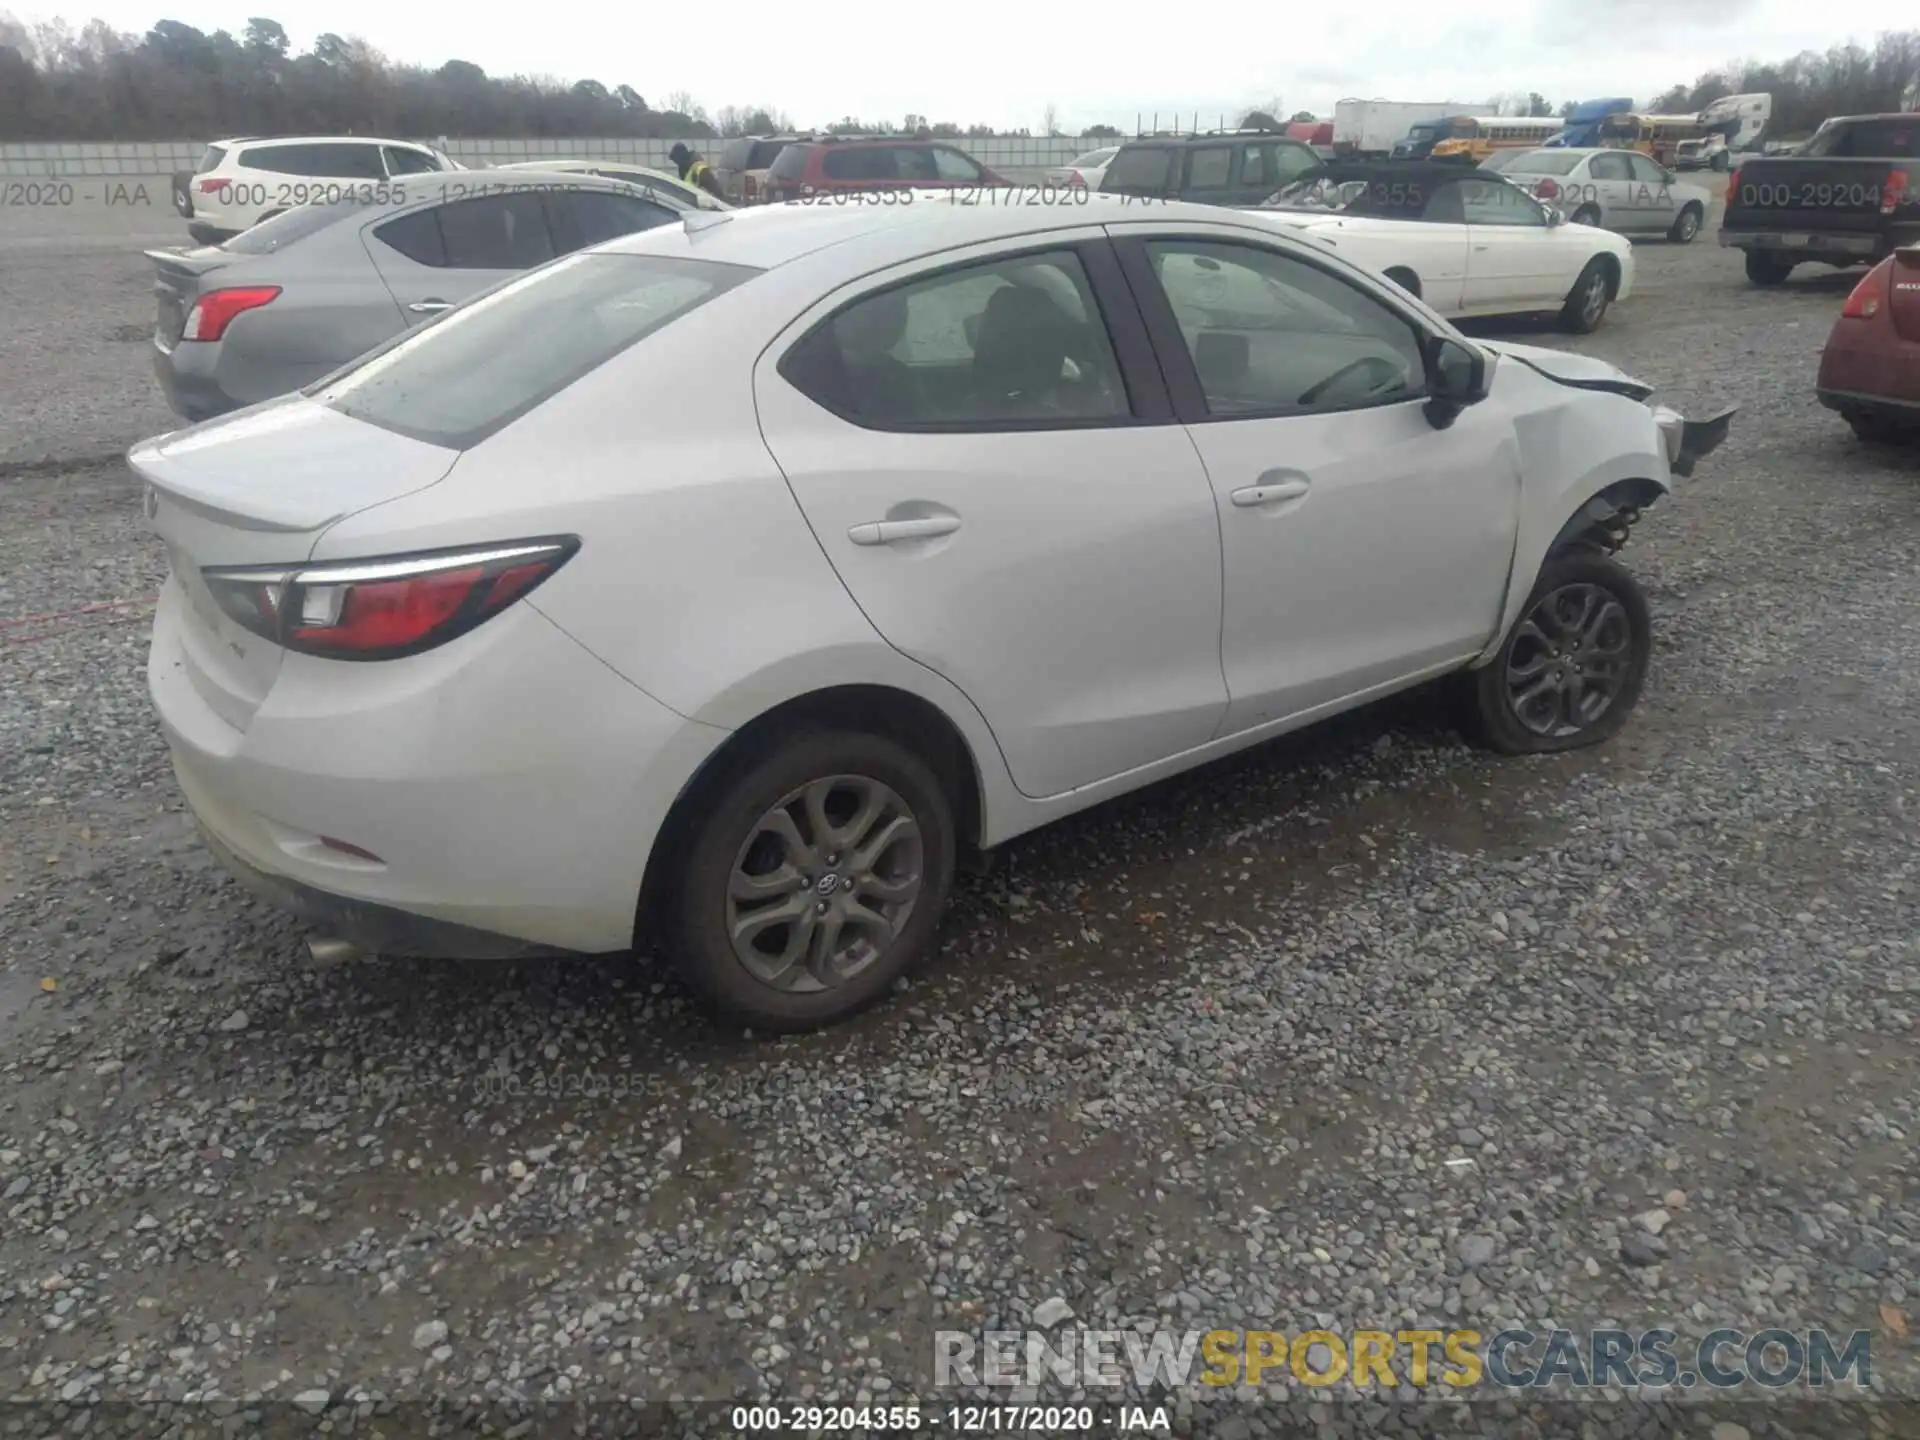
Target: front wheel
column 1587, row 302
column 1571, row 670
column 814, row 879
column 1686, row 226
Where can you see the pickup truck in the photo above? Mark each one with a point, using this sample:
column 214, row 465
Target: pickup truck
column 1850, row 195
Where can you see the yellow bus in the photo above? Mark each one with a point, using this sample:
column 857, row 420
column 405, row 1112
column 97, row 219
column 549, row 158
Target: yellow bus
column 1658, row 136
column 1473, row 138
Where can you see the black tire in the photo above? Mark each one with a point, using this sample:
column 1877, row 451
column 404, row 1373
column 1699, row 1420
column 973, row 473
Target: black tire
column 1686, row 225
column 1589, row 298
column 1405, row 279
column 1586, row 215
column 1721, row 163
column 1768, row 269
column 718, row 842
column 205, row 234
column 1492, row 715
column 1878, row 430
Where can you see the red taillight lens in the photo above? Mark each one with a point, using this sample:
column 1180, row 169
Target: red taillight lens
column 214, row 311
column 208, row 186
column 748, row 187
column 1892, row 191
column 1547, row 190
column 1733, row 186
column 384, row 609
column 1074, row 177
column 1869, row 295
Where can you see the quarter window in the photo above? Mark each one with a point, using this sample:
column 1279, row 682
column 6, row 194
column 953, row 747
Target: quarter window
column 408, row 162
column 954, row 166
column 1271, row 335
column 1010, row 342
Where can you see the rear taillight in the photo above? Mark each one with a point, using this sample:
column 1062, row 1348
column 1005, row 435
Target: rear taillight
column 1074, row 177
column 1892, row 191
column 214, row 311
column 1733, row 186
column 1546, row 190
column 211, row 184
column 1869, row 295
column 384, row 609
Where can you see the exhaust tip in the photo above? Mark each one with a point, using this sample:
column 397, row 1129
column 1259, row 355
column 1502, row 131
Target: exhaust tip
column 325, row 950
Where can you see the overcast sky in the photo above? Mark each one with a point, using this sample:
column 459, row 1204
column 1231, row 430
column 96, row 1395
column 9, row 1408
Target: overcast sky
column 1003, row 63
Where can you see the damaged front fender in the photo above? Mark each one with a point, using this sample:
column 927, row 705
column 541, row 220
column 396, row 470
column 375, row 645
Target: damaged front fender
column 1688, row 442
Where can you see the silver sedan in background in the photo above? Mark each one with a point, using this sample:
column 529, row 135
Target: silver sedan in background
column 300, row 295
column 1619, row 190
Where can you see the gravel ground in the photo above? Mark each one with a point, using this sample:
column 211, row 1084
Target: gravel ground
column 1363, row 1030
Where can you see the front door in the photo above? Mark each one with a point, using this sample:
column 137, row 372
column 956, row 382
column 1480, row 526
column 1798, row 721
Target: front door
column 1007, row 506
column 1654, row 205
column 1361, row 545
column 1512, row 261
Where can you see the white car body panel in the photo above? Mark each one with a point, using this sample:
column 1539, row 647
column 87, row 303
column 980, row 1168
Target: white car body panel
column 1497, row 269
column 714, row 581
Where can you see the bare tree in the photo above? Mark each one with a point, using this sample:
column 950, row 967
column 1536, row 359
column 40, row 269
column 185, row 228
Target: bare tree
column 1050, row 119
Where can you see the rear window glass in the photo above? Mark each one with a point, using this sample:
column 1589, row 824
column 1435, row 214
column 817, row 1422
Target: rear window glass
column 210, row 158
column 288, row 226
column 1138, row 168
column 734, row 157
column 765, row 152
column 485, row 364
column 867, row 162
column 1538, row 162
column 789, row 164
column 1866, row 140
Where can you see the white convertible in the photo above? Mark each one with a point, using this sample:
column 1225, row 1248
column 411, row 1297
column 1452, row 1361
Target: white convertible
column 1465, row 241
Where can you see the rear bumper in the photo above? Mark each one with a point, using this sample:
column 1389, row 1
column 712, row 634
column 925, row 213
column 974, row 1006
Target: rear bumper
column 1852, row 402
column 189, row 377
column 510, row 785
column 1869, row 369
column 1851, row 245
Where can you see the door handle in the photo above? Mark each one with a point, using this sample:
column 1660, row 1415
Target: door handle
column 887, row 532
column 430, row 307
column 1267, row 494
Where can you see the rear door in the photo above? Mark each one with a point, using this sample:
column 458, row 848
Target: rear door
column 433, row 258
column 1609, row 187
column 1009, row 502
column 580, row 218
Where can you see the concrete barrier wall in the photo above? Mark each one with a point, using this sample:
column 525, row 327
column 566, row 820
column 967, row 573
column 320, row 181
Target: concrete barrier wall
column 1018, row 157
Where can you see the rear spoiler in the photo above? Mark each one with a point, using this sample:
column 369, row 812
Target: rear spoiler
column 190, row 262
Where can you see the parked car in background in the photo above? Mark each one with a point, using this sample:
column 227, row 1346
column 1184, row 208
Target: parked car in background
column 1870, row 369
column 241, row 182
column 1850, row 194
column 302, row 294
column 1083, row 171
column 1466, row 241
column 1219, row 167
column 743, row 164
column 722, row 585
column 640, row 176
column 1620, row 190
column 848, row 164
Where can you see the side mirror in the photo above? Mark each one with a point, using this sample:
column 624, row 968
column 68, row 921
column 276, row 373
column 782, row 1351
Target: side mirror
column 1456, row 378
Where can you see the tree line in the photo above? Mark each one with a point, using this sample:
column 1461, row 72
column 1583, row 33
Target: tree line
column 177, row 82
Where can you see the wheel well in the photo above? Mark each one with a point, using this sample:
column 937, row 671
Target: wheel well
column 1603, row 522
column 874, row 709
column 1404, row 278
column 1610, row 267
column 1695, row 206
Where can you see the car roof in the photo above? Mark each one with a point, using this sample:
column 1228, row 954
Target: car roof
column 323, row 140
column 765, row 237
column 1211, row 137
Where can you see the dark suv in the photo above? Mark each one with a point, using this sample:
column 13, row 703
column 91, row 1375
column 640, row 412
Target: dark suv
column 743, row 165
column 831, row 164
column 1223, row 167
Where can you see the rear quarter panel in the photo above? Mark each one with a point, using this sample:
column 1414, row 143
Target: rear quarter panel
column 332, row 307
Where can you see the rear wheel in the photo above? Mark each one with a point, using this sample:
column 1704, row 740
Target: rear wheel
column 814, row 879
column 1587, row 302
column 1766, row 269
column 1572, row 668
column 1405, row 279
column 1686, row 225
column 1720, row 161
column 1587, row 215
column 1877, row 429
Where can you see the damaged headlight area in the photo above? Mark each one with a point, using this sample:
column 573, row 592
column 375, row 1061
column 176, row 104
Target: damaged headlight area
column 1689, row 441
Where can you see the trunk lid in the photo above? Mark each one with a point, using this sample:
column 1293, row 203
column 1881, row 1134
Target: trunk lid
column 176, row 285
column 1903, row 297
column 259, row 487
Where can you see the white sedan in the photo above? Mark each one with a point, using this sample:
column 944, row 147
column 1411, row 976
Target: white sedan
column 1466, row 242
column 723, row 584
column 642, row 176
column 1617, row 189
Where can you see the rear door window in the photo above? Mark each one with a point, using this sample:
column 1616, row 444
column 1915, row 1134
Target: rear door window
column 865, row 162
column 280, row 159
column 1209, row 167
column 1138, row 170
column 496, row 232
column 347, row 162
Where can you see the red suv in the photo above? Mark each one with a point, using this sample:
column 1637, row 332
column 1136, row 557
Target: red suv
column 831, row 164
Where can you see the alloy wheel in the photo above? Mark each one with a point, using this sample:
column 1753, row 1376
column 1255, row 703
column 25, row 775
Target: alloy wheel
column 1569, row 658
column 824, row 883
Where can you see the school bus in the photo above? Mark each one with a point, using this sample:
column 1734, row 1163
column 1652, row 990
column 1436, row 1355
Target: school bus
column 1472, row 138
column 1658, row 136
